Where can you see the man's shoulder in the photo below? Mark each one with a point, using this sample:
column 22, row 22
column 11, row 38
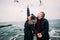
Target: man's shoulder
column 44, row 19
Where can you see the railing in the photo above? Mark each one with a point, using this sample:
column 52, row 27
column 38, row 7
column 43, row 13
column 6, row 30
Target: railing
column 21, row 37
column 55, row 38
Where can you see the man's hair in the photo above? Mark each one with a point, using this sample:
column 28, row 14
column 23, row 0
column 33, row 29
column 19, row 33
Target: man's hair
column 43, row 14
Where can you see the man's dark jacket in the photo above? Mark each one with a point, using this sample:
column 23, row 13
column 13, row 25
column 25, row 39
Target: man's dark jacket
column 44, row 28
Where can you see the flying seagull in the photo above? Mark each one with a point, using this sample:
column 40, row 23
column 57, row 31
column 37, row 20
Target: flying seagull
column 16, row 1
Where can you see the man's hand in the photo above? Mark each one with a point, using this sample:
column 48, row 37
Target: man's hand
column 39, row 35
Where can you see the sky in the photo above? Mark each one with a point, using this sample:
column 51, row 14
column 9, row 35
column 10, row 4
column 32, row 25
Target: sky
column 11, row 11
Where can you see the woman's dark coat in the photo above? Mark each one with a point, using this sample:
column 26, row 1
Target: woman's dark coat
column 28, row 35
column 44, row 27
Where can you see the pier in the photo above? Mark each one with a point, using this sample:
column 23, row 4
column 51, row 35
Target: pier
column 5, row 25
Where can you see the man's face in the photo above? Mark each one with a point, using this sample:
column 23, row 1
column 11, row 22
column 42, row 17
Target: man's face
column 40, row 15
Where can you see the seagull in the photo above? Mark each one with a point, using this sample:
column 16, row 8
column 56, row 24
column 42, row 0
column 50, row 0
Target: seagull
column 16, row 1
column 40, row 1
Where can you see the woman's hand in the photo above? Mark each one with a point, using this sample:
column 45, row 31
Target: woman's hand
column 27, row 6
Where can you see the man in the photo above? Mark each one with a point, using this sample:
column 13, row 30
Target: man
column 42, row 27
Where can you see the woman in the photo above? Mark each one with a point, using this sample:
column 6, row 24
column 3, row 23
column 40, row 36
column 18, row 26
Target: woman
column 28, row 35
column 29, row 26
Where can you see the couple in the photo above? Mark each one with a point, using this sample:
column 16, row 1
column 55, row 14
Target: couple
column 36, row 25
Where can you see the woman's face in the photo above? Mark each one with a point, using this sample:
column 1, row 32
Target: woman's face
column 29, row 18
column 40, row 15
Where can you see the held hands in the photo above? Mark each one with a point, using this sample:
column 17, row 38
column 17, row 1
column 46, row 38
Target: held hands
column 39, row 35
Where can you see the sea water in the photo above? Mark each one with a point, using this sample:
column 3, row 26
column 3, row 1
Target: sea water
column 16, row 31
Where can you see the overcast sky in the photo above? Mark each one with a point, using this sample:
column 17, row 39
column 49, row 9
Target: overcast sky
column 12, row 11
